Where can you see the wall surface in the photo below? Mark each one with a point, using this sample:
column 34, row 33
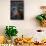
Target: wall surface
column 26, row 26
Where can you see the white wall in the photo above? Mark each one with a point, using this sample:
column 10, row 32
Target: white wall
column 31, row 9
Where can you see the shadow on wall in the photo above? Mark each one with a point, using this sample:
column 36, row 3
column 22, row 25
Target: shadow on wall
column 34, row 22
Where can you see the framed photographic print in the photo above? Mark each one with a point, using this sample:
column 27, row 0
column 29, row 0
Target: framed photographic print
column 17, row 10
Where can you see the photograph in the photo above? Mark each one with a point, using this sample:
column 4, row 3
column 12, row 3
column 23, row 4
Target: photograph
column 22, row 22
column 17, row 10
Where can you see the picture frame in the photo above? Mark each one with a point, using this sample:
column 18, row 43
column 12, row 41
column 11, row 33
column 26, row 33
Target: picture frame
column 17, row 10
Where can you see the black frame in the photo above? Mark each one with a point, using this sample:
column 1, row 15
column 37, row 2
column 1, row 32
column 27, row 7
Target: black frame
column 17, row 10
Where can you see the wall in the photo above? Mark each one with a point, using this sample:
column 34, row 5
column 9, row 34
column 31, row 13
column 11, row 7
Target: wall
column 26, row 26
